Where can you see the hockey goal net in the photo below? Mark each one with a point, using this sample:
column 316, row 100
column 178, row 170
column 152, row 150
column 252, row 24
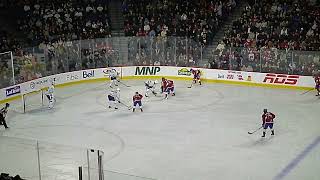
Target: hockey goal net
column 33, row 101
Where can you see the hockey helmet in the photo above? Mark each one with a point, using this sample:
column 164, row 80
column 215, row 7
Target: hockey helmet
column 265, row 110
column 7, row 104
column 137, row 92
column 163, row 79
column 156, row 82
column 118, row 89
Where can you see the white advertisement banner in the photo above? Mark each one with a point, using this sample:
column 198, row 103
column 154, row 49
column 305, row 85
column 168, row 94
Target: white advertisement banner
column 140, row 71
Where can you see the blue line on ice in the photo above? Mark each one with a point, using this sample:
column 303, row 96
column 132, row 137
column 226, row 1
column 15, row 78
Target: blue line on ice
column 284, row 172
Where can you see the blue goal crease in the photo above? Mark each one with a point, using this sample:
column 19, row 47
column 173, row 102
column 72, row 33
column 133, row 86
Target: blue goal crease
column 284, row 172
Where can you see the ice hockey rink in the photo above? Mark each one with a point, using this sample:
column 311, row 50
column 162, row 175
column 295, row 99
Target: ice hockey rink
column 200, row 134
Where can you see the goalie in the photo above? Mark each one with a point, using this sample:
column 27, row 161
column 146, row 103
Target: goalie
column 150, row 87
column 50, row 96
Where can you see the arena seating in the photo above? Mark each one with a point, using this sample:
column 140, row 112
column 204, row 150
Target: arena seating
column 292, row 24
column 199, row 20
column 270, row 36
column 7, row 42
column 47, row 21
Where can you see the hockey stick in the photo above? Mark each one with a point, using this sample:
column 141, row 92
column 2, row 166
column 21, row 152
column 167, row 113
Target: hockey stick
column 255, row 130
column 123, row 84
column 306, row 92
column 191, row 84
column 129, row 107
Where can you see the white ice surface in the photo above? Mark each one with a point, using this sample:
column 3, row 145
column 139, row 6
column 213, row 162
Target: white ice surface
column 200, row 134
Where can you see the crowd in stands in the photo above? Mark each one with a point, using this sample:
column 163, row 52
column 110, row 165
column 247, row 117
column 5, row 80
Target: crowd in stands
column 282, row 24
column 265, row 60
column 169, row 51
column 7, row 42
column 47, row 21
column 270, row 36
column 262, row 39
column 198, row 20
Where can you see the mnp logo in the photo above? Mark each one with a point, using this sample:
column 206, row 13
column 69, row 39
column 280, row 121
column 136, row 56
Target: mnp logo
column 147, row 70
column 88, row 74
column 281, row 79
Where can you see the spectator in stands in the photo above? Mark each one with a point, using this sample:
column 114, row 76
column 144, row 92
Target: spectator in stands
column 196, row 19
column 67, row 20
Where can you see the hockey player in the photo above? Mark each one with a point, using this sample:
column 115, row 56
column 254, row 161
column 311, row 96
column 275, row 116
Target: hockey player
column 113, row 98
column 196, row 76
column 113, row 78
column 317, row 81
column 50, row 96
column 137, row 101
column 168, row 86
column 150, row 86
column 267, row 122
column 163, row 84
column 3, row 113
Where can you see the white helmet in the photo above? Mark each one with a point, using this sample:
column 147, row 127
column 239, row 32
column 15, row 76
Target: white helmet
column 118, row 89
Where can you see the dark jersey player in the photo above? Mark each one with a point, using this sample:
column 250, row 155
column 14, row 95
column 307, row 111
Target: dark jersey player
column 267, row 122
column 196, row 75
column 317, row 81
column 3, row 113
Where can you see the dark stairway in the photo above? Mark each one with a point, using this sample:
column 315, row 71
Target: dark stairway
column 116, row 17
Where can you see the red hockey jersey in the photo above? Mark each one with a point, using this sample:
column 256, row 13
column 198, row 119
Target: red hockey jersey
column 268, row 117
column 137, row 97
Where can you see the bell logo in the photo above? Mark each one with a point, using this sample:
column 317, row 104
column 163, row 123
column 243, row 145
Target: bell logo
column 281, row 79
column 88, row 74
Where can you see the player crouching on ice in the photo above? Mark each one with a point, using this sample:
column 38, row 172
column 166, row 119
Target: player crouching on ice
column 267, row 122
column 168, row 87
column 113, row 98
column 137, row 101
column 50, row 96
column 196, row 76
column 150, row 86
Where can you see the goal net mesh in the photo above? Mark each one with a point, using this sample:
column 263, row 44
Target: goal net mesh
column 33, row 102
